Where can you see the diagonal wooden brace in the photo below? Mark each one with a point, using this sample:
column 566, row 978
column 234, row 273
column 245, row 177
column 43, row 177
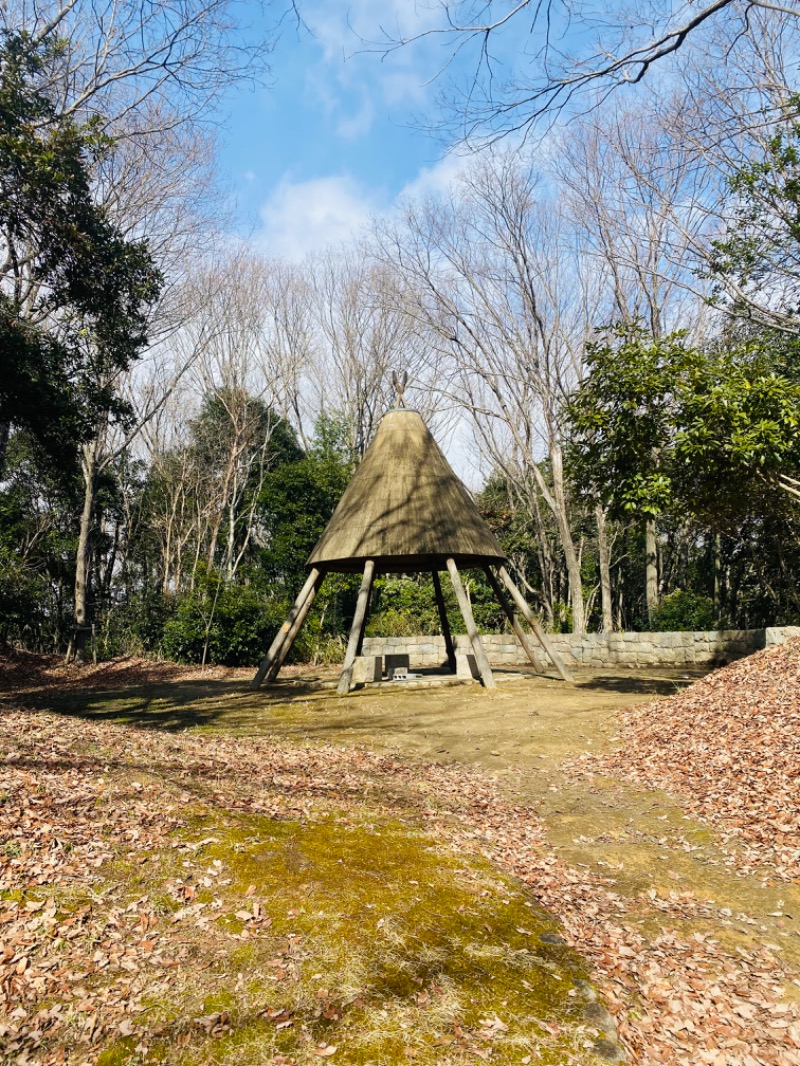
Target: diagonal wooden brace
column 448, row 636
column 521, row 635
column 285, row 637
column 532, row 621
column 357, row 628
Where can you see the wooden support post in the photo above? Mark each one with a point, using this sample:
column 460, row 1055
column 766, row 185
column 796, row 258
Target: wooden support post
column 448, row 636
column 273, row 660
column 356, row 628
column 477, row 645
column 360, row 647
column 522, row 636
column 532, row 621
column 296, row 626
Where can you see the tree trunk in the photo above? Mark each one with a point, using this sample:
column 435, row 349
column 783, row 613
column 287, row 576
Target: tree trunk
column 5, row 433
column 604, row 558
column 567, row 543
column 716, row 554
column 651, row 569
column 83, row 557
column 546, row 565
column 620, row 598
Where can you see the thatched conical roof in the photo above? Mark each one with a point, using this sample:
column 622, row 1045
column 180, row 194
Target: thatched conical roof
column 405, row 508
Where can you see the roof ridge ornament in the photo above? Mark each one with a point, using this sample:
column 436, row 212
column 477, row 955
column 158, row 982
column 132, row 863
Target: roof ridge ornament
column 400, row 385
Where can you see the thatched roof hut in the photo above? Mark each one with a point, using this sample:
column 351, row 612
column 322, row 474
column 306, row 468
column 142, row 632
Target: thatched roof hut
column 405, row 511
column 405, row 508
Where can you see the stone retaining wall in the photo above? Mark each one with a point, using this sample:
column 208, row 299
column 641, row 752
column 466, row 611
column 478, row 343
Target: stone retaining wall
column 597, row 649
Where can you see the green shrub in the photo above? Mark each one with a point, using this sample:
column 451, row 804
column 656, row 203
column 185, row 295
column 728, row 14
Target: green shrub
column 229, row 625
column 396, row 622
column 681, row 611
column 147, row 616
column 22, row 604
column 326, row 649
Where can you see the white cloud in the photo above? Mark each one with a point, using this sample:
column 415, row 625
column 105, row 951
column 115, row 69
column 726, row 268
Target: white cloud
column 341, row 28
column 352, row 66
column 307, row 216
column 404, row 87
column 436, row 180
column 301, row 217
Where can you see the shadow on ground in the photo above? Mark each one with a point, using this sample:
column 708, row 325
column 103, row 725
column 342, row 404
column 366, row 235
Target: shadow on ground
column 306, row 706
column 230, row 705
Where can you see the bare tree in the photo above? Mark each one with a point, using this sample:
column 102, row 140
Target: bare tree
column 149, row 77
column 290, row 340
column 640, row 202
column 147, row 388
column 736, row 122
column 512, row 66
column 499, row 281
column 364, row 332
column 243, row 344
column 249, row 373
column 133, row 64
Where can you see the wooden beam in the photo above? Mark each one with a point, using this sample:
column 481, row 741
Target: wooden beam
column 522, row 636
column 360, row 647
column 533, row 622
column 445, row 624
column 288, row 630
column 477, row 645
column 356, row 628
column 292, row 635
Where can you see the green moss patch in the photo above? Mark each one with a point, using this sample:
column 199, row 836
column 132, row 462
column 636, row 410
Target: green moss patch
column 359, row 936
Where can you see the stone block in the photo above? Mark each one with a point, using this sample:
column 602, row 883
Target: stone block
column 667, row 640
column 396, row 664
column 367, row 668
column 466, row 666
column 780, row 634
column 667, row 656
column 729, row 635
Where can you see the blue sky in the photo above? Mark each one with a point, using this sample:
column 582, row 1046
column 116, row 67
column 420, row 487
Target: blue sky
column 335, row 138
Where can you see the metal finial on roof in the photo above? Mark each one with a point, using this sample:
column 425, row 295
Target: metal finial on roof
column 400, row 384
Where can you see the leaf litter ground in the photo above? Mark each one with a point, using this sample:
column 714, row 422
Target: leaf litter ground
column 173, row 896
column 730, row 747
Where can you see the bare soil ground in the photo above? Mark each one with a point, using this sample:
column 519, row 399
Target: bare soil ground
column 691, row 942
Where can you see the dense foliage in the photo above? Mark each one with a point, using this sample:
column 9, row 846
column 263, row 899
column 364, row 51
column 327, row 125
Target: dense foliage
column 75, row 290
